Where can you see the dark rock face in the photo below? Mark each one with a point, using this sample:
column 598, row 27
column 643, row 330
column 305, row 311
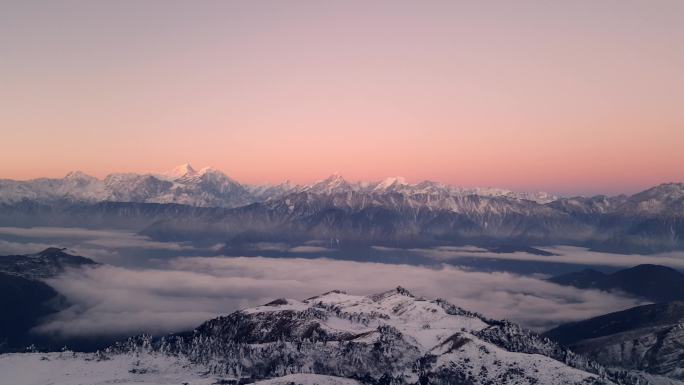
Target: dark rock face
column 25, row 300
column 46, row 264
column 23, row 303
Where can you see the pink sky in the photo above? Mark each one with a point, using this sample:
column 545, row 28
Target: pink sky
column 568, row 97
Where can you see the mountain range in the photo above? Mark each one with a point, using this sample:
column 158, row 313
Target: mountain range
column 208, row 206
column 209, row 187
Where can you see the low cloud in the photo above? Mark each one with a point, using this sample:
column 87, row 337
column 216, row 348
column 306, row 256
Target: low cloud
column 269, row 246
column 309, row 249
column 561, row 254
column 15, row 248
column 59, row 232
column 103, row 245
column 116, row 301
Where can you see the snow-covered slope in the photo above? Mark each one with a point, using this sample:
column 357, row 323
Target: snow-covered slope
column 184, row 185
column 392, row 337
column 665, row 198
column 68, row 368
column 75, row 186
column 336, row 184
column 648, row 338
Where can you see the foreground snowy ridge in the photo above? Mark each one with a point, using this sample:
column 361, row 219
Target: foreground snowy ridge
column 331, row 339
column 388, row 338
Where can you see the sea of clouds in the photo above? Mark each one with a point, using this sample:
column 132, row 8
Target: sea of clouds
column 160, row 287
column 109, row 300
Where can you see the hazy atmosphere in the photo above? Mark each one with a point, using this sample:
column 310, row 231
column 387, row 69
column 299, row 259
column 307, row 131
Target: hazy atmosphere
column 341, row 192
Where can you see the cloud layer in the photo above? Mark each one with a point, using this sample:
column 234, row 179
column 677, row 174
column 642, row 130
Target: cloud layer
column 104, row 245
column 562, row 254
column 116, row 301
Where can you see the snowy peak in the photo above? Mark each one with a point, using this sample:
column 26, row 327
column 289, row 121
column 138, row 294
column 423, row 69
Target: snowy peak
column 210, row 178
column 667, row 198
column 216, row 175
column 389, row 184
column 180, row 171
column 333, row 184
column 79, row 175
column 665, row 190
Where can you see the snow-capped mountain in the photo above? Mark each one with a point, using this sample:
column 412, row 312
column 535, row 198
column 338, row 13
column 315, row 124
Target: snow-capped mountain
column 388, row 338
column 331, row 185
column 263, row 192
column 75, row 186
column 214, row 207
column 209, row 187
column 587, row 206
column 135, row 187
column 183, row 185
column 178, row 172
column 336, row 184
column 206, row 187
column 665, row 198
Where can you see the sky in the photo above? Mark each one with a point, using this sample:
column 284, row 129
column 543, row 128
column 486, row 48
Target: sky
column 567, row 97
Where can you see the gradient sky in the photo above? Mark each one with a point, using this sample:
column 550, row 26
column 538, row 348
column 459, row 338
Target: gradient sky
column 563, row 96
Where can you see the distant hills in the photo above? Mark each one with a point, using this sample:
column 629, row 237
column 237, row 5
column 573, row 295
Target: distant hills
column 652, row 282
column 208, row 206
column 45, row 264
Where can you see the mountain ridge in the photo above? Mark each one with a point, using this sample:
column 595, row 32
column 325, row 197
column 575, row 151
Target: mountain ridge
column 185, row 176
column 392, row 337
column 653, row 282
column 647, row 338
